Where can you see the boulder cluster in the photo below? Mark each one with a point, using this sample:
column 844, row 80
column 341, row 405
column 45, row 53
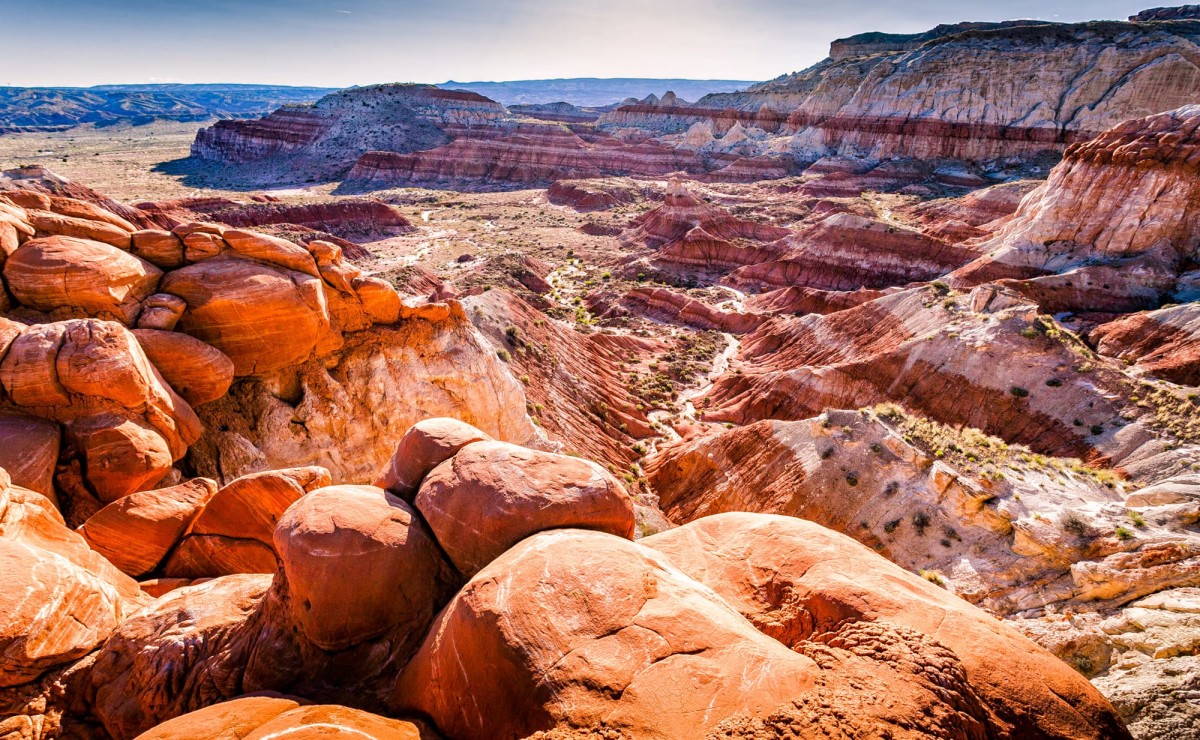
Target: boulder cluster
column 481, row 589
column 116, row 332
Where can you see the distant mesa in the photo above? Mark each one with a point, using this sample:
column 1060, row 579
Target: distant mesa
column 957, row 92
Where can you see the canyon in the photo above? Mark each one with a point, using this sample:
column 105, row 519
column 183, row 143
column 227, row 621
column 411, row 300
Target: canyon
column 862, row 402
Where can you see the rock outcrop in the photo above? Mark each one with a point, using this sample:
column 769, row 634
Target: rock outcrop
column 939, row 354
column 1111, row 229
column 324, row 139
column 564, row 629
column 524, row 491
column 262, row 717
column 959, row 92
column 214, row 311
column 1163, row 343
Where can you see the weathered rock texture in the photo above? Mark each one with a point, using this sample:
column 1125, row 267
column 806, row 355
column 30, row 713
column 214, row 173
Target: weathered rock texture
column 964, row 92
column 275, row 338
column 1112, row 227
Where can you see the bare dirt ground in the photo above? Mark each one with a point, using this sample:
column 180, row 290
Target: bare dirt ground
column 119, row 161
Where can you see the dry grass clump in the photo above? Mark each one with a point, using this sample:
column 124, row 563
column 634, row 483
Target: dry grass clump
column 990, row 457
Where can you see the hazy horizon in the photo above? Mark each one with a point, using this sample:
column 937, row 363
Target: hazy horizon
column 326, row 43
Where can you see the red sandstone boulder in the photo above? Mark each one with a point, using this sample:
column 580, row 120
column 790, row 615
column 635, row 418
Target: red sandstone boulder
column 271, row 249
column 124, row 455
column 147, row 672
column 60, row 600
column 53, row 224
column 423, row 447
column 233, row 533
column 94, row 377
column 380, row 301
column 575, row 630
column 359, row 584
column 810, row 587
column 197, row 371
column 65, row 206
column 264, row 717
column 28, row 199
column 136, row 532
column 262, row 317
column 76, row 277
column 491, row 495
column 161, row 248
column 29, row 451
column 359, row 563
column 161, row 311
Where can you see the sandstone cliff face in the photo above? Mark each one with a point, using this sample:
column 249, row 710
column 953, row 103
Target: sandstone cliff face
column 520, row 153
column 1112, row 228
column 978, row 94
column 347, row 413
column 345, row 125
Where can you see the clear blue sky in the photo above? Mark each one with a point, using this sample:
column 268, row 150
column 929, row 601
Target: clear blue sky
column 337, row 43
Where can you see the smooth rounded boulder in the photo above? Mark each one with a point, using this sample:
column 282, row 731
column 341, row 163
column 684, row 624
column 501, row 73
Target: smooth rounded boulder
column 264, row 717
column 29, row 449
column 359, row 563
column 137, row 531
column 233, row 533
column 184, row 651
column 582, row 630
column 60, row 599
column 51, row 224
column 69, row 277
column 491, row 495
column 807, row 585
column 423, row 447
column 94, row 377
column 263, row 317
column 197, row 371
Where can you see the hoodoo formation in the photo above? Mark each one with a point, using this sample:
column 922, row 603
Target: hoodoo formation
column 860, row 403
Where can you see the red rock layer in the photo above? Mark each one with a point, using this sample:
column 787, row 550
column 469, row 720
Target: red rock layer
column 599, row 194
column 1163, row 343
column 847, row 252
column 808, row 300
column 972, row 216
column 675, row 307
column 524, row 153
column 576, row 389
column 283, row 131
column 1112, row 226
column 345, row 218
column 955, row 360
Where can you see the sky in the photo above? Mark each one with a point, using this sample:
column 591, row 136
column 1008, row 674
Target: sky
column 338, row 43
